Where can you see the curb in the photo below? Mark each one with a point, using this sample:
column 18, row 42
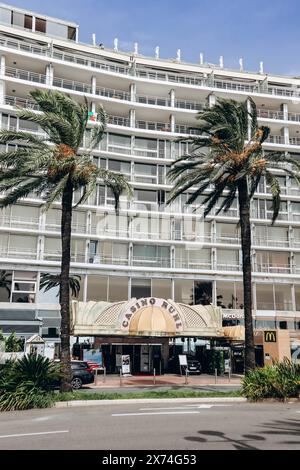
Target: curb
column 126, row 401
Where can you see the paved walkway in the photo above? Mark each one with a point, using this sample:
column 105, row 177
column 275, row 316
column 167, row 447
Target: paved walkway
column 114, row 381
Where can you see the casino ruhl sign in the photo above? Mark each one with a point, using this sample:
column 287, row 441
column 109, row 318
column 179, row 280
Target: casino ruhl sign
column 150, row 302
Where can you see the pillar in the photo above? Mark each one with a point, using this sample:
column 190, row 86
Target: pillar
column 93, row 85
column 132, row 90
column 285, row 111
column 2, row 65
column 211, row 100
column 286, row 135
column 172, row 122
column 49, row 74
column 172, row 98
column 132, row 118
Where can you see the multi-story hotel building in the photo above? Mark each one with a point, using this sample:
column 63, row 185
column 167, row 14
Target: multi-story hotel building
column 151, row 249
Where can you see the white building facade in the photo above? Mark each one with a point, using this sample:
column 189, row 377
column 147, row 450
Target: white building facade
column 151, row 249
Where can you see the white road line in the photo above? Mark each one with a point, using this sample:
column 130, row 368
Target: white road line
column 160, row 413
column 32, row 434
column 185, row 407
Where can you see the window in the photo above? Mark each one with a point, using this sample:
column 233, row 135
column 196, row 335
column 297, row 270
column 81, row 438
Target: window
column 144, row 195
column 286, row 325
column 162, row 288
column 5, row 16
column 56, row 29
column 17, row 19
column 264, row 297
column 202, row 292
column 5, row 285
column 120, row 166
column 118, row 289
column 24, row 287
column 40, row 25
column 97, row 288
column 184, row 291
column 28, row 22
column 71, row 33
column 265, row 324
column 140, row 288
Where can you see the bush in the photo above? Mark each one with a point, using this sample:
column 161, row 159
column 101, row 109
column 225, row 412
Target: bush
column 281, row 380
column 27, row 383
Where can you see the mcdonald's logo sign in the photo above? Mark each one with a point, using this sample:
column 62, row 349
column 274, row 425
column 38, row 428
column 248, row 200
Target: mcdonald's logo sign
column 270, row 336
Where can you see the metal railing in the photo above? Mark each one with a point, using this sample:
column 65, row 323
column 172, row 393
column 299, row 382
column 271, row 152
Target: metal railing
column 71, row 85
column 275, row 139
column 111, row 93
column 25, row 75
column 269, row 114
column 20, row 102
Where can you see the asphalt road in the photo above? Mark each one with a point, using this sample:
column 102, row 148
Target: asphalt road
column 155, row 426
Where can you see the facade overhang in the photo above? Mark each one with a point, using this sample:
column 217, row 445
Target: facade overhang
column 146, row 317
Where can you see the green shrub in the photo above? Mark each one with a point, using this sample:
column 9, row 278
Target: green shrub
column 27, row 383
column 280, row 380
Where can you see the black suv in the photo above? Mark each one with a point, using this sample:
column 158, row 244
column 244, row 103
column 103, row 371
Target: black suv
column 82, row 374
column 194, row 366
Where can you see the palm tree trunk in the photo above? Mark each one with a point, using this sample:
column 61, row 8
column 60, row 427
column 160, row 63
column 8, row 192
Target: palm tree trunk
column 66, row 220
column 244, row 207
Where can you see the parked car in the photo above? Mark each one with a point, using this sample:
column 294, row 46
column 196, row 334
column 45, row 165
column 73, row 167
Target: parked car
column 82, row 374
column 194, row 366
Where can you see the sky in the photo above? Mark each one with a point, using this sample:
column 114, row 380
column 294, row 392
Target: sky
column 256, row 30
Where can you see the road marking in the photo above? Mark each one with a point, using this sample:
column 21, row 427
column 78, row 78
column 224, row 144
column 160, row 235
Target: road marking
column 160, row 413
column 185, row 407
column 32, row 434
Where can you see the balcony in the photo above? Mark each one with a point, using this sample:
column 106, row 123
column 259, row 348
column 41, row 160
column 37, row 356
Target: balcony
column 72, row 85
column 26, row 223
column 111, row 93
column 182, row 129
column 25, row 75
column 275, row 139
column 268, row 114
column 20, row 102
column 294, row 140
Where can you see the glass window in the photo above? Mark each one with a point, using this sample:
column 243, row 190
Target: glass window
column 264, row 297
column 71, row 33
column 97, row 288
column 5, row 16
column 265, row 324
column 40, row 25
column 162, row 288
column 140, row 288
column 28, row 22
column 144, row 169
column 225, row 294
column 184, row 291
column 49, row 297
column 149, row 144
column 5, row 285
column 17, row 19
column 202, row 292
column 57, row 29
column 286, row 325
column 144, row 195
column 118, row 139
column 283, row 297
column 120, row 166
column 118, row 289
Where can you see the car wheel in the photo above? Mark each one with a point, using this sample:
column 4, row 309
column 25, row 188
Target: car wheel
column 76, row 383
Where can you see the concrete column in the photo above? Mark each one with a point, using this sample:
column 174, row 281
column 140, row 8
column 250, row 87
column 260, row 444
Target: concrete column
column 172, row 98
column 211, row 100
column 172, row 289
column 84, row 292
column 2, row 91
column 40, row 247
column 42, row 219
column 93, row 85
column 172, row 122
column 213, row 231
column 214, row 258
column 285, row 109
column 129, row 288
column 49, row 74
column 254, row 301
column 93, row 106
column 132, row 92
column 2, row 65
column 132, row 117
column 214, row 292
column 293, row 298
column 286, row 135
column 33, row 23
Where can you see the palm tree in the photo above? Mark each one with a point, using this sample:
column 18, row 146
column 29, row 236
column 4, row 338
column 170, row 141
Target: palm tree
column 53, row 168
column 227, row 160
column 48, row 281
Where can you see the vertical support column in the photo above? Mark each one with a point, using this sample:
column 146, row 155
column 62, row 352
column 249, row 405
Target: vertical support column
column 49, row 74
column 132, row 90
column 214, row 292
column 93, row 85
column 85, row 286
column 254, row 299
column 172, row 289
column 2, row 91
column 93, row 106
column 294, row 307
column 132, row 118
column 213, row 231
column 172, row 98
column 2, row 65
column 214, row 258
column 129, row 288
column 285, row 110
column 172, row 122
column 33, row 23
column 40, row 247
column 211, row 100
column 130, row 254
column 286, row 135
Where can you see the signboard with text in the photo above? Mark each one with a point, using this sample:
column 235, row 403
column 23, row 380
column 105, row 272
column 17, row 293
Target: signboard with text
column 126, row 364
column 270, row 336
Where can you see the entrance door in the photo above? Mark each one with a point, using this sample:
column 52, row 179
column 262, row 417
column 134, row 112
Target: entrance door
column 145, row 362
column 156, row 358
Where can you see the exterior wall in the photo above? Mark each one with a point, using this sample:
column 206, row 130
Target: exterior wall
column 153, row 249
column 274, row 350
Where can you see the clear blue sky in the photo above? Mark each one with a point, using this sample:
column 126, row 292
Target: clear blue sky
column 256, row 30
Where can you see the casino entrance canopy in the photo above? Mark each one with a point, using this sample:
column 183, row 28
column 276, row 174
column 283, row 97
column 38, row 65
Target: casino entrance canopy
column 150, row 317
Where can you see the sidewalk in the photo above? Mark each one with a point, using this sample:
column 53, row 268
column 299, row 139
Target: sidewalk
column 114, row 381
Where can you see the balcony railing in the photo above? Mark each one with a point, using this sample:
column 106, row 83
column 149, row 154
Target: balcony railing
column 153, row 126
column 275, row 139
column 25, row 75
column 172, row 77
column 119, row 121
column 269, row 114
column 111, row 93
column 20, row 102
column 294, row 141
column 183, row 129
column 72, row 85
